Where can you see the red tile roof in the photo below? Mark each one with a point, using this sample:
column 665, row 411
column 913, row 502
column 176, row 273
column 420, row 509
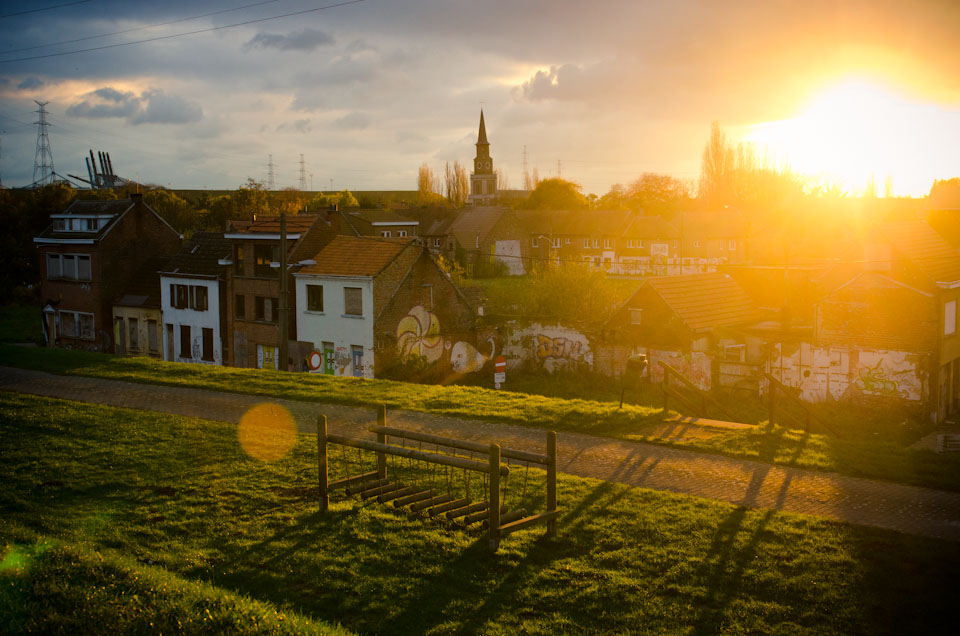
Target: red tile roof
column 271, row 225
column 706, row 300
column 355, row 256
column 926, row 249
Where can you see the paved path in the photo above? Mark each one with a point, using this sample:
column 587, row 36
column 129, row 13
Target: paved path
column 905, row 508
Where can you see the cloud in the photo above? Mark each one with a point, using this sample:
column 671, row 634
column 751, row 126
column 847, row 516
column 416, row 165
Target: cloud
column 299, row 126
column 30, row 83
column 150, row 107
column 305, row 40
column 353, row 121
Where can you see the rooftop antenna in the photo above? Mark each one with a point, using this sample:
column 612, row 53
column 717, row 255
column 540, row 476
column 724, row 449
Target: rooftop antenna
column 43, row 163
column 303, row 174
column 270, row 172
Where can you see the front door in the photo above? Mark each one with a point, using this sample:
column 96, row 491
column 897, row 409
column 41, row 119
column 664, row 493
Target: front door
column 357, row 361
column 120, row 337
column 328, row 359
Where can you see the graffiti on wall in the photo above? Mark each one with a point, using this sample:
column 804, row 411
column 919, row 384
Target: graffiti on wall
column 874, row 381
column 548, row 347
column 419, row 334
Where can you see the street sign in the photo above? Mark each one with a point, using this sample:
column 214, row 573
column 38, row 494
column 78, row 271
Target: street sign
column 314, row 360
column 500, row 364
column 500, row 378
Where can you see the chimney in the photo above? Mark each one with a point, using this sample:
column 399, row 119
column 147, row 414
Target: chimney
column 136, row 197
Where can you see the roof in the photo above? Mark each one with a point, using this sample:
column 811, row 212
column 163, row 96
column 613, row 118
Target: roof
column 114, row 207
column 200, row 255
column 482, row 136
column 355, row 256
column 650, row 227
column 433, row 221
column 271, row 225
column 705, row 300
column 475, row 221
column 727, row 223
column 143, row 290
column 925, row 248
column 380, row 215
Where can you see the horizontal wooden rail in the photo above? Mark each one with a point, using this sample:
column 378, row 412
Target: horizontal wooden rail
column 777, row 385
column 543, row 517
column 477, row 447
column 412, row 453
column 703, row 395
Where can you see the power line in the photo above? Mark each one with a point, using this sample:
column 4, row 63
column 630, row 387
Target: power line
column 149, row 26
column 56, row 6
column 177, row 35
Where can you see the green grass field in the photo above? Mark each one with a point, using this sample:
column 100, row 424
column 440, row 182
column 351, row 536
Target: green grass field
column 872, row 445
column 20, row 323
column 120, row 520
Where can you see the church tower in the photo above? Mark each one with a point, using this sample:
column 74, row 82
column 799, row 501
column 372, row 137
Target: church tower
column 483, row 180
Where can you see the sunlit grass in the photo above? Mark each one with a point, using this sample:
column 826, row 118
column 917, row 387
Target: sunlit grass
column 868, row 448
column 119, row 518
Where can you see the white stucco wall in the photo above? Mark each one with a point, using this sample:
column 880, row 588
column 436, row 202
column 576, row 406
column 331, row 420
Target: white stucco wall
column 333, row 325
column 196, row 320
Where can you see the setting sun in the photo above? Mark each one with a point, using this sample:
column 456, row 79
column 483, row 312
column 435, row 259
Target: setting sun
column 858, row 130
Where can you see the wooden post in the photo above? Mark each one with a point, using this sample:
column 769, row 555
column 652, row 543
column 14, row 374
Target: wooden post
column 494, row 530
column 665, row 385
column 382, row 439
column 322, row 476
column 551, row 480
column 773, row 397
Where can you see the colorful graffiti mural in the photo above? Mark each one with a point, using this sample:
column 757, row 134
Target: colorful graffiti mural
column 548, row 347
column 418, row 333
column 874, row 381
column 465, row 358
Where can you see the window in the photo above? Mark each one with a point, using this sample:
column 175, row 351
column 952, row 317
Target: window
column 566, row 241
column 198, row 297
column 75, row 324
column 640, row 244
column 353, row 301
column 732, row 245
column 238, row 260
column 239, row 308
column 153, row 336
column 83, row 267
column 385, row 233
column 676, row 244
column 263, row 255
column 207, row 344
column 636, row 316
column 535, row 241
column 70, row 266
column 555, row 243
column 606, row 244
column 596, row 242
column 185, row 341
column 134, row 334
column 54, row 268
column 402, row 233
column 436, row 242
column 314, row 297
column 696, row 243
column 266, row 309
column 179, row 296
column 950, row 317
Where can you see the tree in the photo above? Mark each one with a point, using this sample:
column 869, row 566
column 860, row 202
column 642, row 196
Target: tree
column 556, row 194
column 502, row 182
column 457, row 184
column 657, row 194
column 428, row 186
column 174, row 210
column 716, row 169
column 250, row 200
column 944, row 193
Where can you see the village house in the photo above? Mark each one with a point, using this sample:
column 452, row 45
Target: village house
column 489, row 234
column 88, row 254
column 137, row 312
column 383, row 223
column 253, row 286
column 193, row 296
column 687, row 321
column 365, row 304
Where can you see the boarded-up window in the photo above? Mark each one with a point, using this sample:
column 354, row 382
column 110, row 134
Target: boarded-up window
column 83, row 267
column 239, row 306
column 636, row 316
column 54, row 269
column 314, row 297
column 185, row 342
column 208, row 344
column 266, row 309
column 134, row 334
column 949, row 317
column 153, row 336
column 353, row 301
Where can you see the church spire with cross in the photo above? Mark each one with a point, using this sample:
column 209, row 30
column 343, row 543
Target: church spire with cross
column 483, row 180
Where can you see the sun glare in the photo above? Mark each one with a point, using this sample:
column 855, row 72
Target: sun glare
column 267, row 432
column 858, row 131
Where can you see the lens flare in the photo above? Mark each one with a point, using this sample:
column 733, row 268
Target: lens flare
column 267, row 432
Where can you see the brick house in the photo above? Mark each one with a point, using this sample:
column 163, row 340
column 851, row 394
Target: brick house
column 194, row 300
column 253, row 285
column 88, row 254
column 492, row 233
column 378, row 222
column 366, row 304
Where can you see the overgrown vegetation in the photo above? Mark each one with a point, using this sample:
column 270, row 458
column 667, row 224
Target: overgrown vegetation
column 869, row 447
column 122, row 520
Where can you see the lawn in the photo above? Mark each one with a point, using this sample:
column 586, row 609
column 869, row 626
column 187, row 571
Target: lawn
column 871, row 446
column 20, row 323
column 115, row 519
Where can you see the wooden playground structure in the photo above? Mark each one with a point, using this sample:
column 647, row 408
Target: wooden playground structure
column 435, row 499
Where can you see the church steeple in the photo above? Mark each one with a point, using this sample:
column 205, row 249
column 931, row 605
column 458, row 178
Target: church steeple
column 483, row 181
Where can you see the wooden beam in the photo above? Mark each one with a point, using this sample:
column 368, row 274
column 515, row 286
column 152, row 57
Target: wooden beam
column 412, row 453
column 349, row 481
column 477, row 447
column 528, row 521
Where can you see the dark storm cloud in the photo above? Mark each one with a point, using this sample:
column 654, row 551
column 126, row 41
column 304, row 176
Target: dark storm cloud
column 151, row 107
column 31, row 83
column 305, row 40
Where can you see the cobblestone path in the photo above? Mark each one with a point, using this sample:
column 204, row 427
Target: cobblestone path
column 908, row 509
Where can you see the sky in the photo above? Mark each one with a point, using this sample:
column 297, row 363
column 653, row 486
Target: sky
column 368, row 90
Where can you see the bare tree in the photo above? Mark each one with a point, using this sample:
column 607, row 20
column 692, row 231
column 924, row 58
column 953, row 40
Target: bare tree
column 716, row 169
column 428, row 185
column 457, row 184
column 502, row 182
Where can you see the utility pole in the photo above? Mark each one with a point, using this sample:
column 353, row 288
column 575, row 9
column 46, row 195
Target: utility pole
column 303, row 175
column 270, row 184
column 559, row 170
column 43, row 163
column 282, row 364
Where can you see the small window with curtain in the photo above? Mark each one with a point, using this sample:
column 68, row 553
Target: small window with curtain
column 314, row 297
